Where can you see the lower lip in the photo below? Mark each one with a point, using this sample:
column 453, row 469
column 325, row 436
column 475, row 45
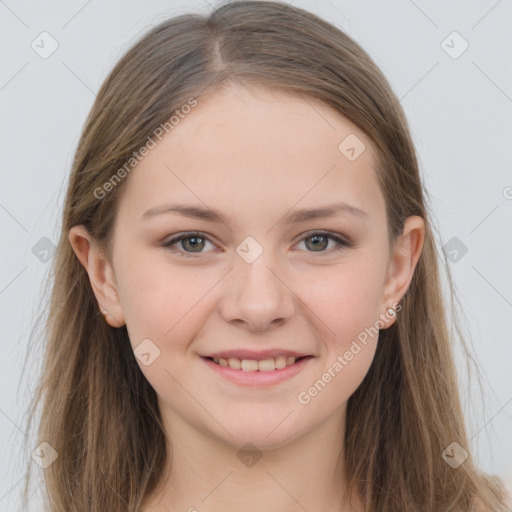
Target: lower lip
column 258, row 378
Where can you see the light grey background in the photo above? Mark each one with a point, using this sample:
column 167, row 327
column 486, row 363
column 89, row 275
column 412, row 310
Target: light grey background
column 460, row 114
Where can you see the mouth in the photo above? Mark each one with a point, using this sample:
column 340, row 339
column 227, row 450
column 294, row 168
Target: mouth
column 257, row 365
column 257, row 372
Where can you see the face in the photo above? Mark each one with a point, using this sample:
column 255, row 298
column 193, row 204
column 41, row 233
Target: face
column 257, row 278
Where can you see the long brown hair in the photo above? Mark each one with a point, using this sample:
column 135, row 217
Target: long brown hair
column 100, row 414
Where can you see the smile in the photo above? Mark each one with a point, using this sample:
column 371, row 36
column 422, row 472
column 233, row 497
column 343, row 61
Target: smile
column 253, row 365
column 251, row 372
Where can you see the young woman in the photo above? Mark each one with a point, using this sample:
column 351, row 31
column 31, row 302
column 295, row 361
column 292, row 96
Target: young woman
column 247, row 310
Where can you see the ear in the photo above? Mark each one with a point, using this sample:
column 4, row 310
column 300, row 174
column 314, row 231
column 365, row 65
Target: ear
column 405, row 256
column 101, row 275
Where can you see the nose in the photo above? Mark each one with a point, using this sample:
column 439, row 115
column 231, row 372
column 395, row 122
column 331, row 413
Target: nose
column 257, row 295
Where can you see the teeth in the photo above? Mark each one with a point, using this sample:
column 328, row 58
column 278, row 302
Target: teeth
column 235, row 363
column 251, row 365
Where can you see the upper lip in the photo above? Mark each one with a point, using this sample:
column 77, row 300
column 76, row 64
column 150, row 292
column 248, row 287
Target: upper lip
column 257, row 355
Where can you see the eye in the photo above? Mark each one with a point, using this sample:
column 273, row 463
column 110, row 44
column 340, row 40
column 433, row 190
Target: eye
column 320, row 241
column 194, row 242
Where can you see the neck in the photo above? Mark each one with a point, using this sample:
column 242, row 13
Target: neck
column 208, row 474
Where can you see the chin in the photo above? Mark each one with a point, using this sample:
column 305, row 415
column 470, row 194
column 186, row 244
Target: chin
column 264, row 434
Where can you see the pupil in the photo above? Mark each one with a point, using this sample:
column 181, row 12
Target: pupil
column 316, row 237
column 193, row 240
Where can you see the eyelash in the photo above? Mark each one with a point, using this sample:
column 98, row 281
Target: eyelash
column 341, row 243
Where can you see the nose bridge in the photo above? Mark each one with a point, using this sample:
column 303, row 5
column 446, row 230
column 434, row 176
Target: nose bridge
column 257, row 292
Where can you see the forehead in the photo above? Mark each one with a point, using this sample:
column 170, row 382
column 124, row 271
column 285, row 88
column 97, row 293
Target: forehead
column 244, row 149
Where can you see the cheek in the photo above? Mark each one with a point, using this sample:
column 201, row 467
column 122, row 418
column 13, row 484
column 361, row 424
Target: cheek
column 166, row 305
column 162, row 301
column 342, row 301
column 345, row 307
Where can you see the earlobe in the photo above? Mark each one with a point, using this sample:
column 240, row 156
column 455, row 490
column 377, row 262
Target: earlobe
column 101, row 275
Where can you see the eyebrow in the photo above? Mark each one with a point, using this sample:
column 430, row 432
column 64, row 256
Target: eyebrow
column 207, row 214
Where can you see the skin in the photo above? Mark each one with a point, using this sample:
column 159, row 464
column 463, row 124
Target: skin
column 255, row 156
